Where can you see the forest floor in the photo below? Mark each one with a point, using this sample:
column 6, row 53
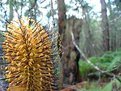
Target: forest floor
column 100, row 85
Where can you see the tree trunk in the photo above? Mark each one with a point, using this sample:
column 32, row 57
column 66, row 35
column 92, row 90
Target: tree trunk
column 70, row 55
column 61, row 26
column 105, row 26
column 113, row 28
column 61, row 16
column 89, row 49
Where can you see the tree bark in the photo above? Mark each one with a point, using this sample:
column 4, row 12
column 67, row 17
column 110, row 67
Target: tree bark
column 105, row 26
column 61, row 27
column 70, row 55
column 61, row 16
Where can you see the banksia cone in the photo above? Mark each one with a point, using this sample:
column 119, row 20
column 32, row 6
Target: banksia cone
column 33, row 57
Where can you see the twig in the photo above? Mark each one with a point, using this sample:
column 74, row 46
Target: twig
column 42, row 1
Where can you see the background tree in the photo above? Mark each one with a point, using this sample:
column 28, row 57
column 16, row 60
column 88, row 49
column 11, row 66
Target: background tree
column 105, row 26
column 112, row 26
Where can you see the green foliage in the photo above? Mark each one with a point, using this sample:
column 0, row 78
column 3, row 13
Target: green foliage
column 109, row 61
column 86, row 68
column 112, row 86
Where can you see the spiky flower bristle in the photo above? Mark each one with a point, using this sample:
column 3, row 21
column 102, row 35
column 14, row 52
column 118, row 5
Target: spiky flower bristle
column 27, row 49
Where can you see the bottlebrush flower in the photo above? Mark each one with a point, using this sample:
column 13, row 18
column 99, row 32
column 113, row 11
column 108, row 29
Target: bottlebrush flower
column 33, row 56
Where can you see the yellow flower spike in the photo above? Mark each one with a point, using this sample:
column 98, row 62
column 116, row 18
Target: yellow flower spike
column 24, row 59
column 13, row 62
column 38, row 65
column 28, row 48
column 17, row 58
column 30, row 63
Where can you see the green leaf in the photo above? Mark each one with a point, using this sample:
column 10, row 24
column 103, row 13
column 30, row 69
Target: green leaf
column 115, row 63
column 110, row 86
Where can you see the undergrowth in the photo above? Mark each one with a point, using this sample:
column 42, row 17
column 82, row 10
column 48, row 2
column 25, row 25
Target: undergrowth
column 110, row 62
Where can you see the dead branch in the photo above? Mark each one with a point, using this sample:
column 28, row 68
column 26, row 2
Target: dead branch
column 80, row 51
column 89, row 62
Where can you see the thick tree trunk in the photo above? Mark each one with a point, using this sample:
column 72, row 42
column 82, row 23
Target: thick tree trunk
column 105, row 26
column 70, row 55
